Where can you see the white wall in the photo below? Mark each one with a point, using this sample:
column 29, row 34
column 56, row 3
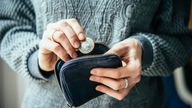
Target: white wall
column 11, row 87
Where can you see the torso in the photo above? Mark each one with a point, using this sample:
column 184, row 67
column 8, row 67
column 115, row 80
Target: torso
column 106, row 21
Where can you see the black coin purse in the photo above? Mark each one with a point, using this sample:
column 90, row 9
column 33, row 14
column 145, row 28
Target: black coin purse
column 73, row 76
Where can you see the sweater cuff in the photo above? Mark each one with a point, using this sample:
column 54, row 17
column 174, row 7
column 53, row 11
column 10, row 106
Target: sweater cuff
column 147, row 51
column 34, row 68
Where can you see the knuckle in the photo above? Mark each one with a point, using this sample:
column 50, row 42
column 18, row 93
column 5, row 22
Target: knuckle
column 73, row 20
column 117, row 74
column 56, row 48
column 70, row 50
column 78, row 27
column 73, row 38
column 99, row 80
column 64, row 23
column 121, row 97
column 58, row 35
column 65, row 56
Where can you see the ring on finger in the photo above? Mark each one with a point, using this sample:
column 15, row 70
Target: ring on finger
column 52, row 34
column 126, row 83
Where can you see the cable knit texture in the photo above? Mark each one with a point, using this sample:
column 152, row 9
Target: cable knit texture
column 22, row 23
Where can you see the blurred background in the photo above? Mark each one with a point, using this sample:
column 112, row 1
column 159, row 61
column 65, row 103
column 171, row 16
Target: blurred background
column 178, row 88
column 12, row 87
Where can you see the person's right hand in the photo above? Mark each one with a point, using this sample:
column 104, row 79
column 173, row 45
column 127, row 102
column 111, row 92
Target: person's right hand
column 60, row 39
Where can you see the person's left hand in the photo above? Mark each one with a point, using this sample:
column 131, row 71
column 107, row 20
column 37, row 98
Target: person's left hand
column 119, row 81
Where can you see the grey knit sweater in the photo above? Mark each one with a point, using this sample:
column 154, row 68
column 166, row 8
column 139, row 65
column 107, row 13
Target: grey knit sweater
column 160, row 26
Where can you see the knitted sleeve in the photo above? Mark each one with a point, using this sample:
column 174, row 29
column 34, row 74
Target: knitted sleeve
column 18, row 38
column 162, row 54
column 170, row 45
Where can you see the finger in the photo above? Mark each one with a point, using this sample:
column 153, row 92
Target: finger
column 60, row 38
column 114, row 84
column 71, row 35
column 48, row 33
column 116, row 73
column 134, row 68
column 113, row 93
column 52, row 26
column 118, row 50
column 132, row 81
column 134, row 64
column 135, row 53
column 77, row 28
column 55, row 34
column 47, row 44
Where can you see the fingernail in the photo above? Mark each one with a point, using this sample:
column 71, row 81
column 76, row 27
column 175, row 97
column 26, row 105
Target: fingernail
column 81, row 36
column 74, row 55
column 98, row 88
column 93, row 72
column 76, row 44
column 91, row 78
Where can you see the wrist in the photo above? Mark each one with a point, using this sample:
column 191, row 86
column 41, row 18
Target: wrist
column 34, row 68
column 46, row 62
column 147, row 50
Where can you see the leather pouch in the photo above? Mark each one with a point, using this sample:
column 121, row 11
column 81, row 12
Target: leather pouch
column 73, row 76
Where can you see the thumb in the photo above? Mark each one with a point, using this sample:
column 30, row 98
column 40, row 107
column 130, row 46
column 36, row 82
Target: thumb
column 118, row 50
column 134, row 56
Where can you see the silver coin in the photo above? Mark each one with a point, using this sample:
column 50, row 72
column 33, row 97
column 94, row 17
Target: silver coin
column 87, row 46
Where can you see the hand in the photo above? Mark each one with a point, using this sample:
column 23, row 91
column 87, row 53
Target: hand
column 114, row 80
column 60, row 39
